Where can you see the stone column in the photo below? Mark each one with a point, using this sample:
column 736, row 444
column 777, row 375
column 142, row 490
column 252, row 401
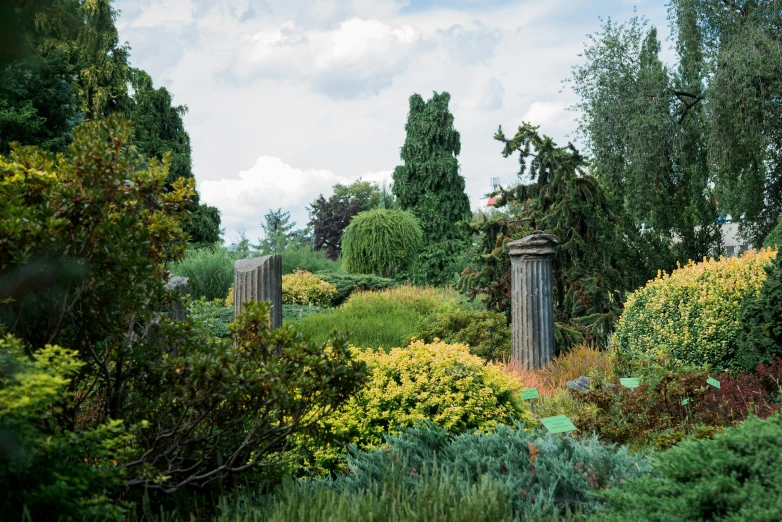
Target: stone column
column 178, row 285
column 259, row 279
column 532, row 299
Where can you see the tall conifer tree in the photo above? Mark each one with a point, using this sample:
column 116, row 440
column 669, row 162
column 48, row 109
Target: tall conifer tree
column 429, row 185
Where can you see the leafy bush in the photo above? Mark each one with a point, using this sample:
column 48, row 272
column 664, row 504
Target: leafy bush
column 348, row 283
column 774, row 238
column 374, row 319
column 210, row 271
column 761, row 318
column 486, row 333
column 437, row 382
column 380, row 241
column 218, row 407
column 305, row 288
column 536, row 473
column 735, row 476
column 45, row 470
column 211, row 317
column 693, row 314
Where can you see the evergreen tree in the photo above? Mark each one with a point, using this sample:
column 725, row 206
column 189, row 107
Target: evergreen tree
column 429, row 185
column 600, row 256
column 278, row 231
column 330, row 217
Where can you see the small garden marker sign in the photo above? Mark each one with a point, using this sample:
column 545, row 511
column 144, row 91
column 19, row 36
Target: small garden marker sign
column 630, row 382
column 714, row 382
column 529, row 394
column 686, row 401
column 558, row 424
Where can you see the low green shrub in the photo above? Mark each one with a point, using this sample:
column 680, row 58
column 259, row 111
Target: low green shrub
column 304, row 257
column 437, row 382
column 535, row 475
column 348, row 283
column 486, row 333
column 297, row 312
column 761, row 318
column 388, row 318
column 211, row 317
column 47, row 472
column 693, row 314
column 305, row 288
column 735, row 476
column 210, row 271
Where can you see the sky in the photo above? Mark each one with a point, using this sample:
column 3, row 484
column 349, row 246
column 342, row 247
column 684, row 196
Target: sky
column 288, row 97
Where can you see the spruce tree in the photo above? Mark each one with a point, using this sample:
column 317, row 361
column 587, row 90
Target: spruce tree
column 429, row 185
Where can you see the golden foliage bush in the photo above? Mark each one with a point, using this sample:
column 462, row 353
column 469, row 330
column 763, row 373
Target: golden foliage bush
column 304, row 288
column 692, row 314
column 437, row 382
column 421, row 299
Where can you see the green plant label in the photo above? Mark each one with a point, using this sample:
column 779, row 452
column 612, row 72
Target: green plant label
column 686, row 401
column 714, row 382
column 630, row 382
column 529, row 394
column 558, row 424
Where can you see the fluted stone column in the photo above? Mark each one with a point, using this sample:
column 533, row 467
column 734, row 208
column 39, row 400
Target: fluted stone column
column 532, row 299
column 259, row 279
column 178, row 285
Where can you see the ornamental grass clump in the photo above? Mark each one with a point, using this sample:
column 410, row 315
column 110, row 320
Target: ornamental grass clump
column 304, row 288
column 694, row 313
column 436, row 382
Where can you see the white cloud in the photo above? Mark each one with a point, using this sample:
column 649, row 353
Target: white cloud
column 470, row 45
column 489, row 97
column 270, row 184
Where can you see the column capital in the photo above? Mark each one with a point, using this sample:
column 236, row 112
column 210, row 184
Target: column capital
column 539, row 243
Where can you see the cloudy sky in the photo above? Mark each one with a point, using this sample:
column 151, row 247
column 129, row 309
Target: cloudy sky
column 288, row 97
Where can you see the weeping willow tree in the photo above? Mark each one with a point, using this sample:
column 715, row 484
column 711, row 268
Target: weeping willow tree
column 601, row 255
column 381, row 241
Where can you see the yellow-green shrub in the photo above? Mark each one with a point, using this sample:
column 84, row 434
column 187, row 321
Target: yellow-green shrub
column 304, row 288
column 437, row 382
column 692, row 314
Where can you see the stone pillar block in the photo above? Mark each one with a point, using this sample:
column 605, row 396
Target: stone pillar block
column 259, row 279
column 532, row 299
column 178, row 285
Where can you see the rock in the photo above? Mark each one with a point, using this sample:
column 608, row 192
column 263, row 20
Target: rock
column 580, row 385
column 181, row 286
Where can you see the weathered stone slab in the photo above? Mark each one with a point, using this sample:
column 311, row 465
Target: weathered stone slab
column 178, row 285
column 532, row 299
column 259, row 279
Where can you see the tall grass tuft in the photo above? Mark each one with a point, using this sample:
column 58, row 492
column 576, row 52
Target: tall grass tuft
column 304, row 257
column 374, row 319
column 210, row 271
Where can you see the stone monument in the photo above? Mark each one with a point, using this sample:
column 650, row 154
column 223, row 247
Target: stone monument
column 259, row 279
column 532, row 299
column 178, row 285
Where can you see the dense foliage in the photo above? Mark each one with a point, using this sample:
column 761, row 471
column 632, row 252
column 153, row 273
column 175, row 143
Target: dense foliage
column 305, row 288
column 761, row 318
column 600, row 254
column 736, row 476
column 694, row 313
column 675, row 140
column 429, row 185
column 75, row 270
column 348, row 283
column 45, row 469
column 209, row 269
column 381, row 242
column 379, row 319
column 436, row 382
column 485, row 332
column 329, row 217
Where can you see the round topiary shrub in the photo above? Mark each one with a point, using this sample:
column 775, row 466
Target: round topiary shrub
column 304, row 288
column 380, row 241
column 437, row 382
column 693, row 315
